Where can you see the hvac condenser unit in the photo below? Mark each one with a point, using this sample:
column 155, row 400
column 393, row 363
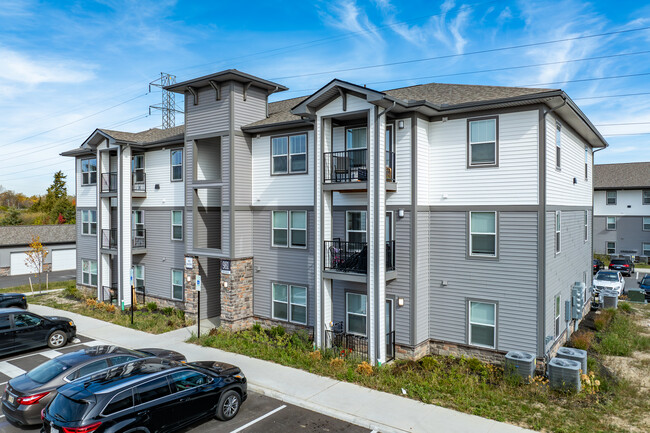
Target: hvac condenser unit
column 564, row 374
column 520, row 364
column 574, row 354
column 609, row 298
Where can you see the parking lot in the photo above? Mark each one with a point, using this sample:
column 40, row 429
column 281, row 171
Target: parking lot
column 258, row 414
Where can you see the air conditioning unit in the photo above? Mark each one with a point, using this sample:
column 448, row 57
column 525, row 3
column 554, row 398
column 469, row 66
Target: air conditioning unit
column 609, row 298
column 520, row 364
column 574, row 354
column 564, row 374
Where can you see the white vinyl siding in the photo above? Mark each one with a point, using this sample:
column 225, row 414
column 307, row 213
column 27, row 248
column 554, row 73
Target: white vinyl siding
column 482, row 324
column 628, row 202
column 89, row 272
column 483, row 234
column 586, row 226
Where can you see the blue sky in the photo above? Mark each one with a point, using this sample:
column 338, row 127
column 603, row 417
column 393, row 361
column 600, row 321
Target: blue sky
column 69, row 67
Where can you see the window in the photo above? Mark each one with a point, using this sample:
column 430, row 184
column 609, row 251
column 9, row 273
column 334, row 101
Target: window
column 558, row 144
column 356, row 143
column 611, row 197
column 289, row 303
column 646, row 249
column 88, row 222
column 289, row 229
column 586, row 162
column 177, row 284
column 482, row 142
column 153, row 390
column 25, row 320
column 4, row 323
column 355, row 310
column 89, row 272
column 89, row 171
column 483, row 234
column 123, row 400
column 177, row 164
column 558, row 232
column 182, row 380
column 137, row 168
column 611, row 223
column 177, row 225
column 586, row 226
column 645, row 196
column 138, row 223
column 289, row 154
column 92, row 367
column 646, row 224
column 138, row 277
column 355, row 228
column 557, row 316
column 611, row 248
column 482, row 324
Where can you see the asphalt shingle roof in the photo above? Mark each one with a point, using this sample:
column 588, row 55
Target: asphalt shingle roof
column 627, row 175
column 149, row 136
column 50, row 234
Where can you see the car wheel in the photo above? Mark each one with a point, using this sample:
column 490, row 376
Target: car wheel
column 228, row 405
column 57, row 339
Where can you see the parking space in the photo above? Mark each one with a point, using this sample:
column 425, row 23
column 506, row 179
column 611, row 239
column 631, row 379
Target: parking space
column 258, row 414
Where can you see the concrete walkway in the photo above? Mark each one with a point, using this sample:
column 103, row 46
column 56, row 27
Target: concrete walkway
column 368, row 408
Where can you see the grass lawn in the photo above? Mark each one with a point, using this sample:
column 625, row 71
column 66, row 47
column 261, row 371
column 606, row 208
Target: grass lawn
column 26, row 289
column 619, row 404
column 148, row 318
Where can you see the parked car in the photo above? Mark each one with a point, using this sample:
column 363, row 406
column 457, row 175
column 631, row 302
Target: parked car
column 598, row 265
column 26, row 395
column 8, row 300
column 21, row 330
column 150, row 394
column 612, row 280
column 626, row 266
column 644, row 284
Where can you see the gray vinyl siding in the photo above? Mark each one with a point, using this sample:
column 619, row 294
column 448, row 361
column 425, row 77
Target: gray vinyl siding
column 422, row 278
column 629, row 235
column 243, row 171
column 86, row 245
column 252, row 109
column 286, row 265
column 510, row 281
column 400, row 287
column 339, row 288
column 567, row 267
column 243, row 234
column 209, row 115
column 162, row 255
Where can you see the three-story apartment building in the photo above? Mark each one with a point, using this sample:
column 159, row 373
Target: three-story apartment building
column 431, row 218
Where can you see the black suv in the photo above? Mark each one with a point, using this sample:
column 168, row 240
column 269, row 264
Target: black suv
column 147, row 395
column 625, row 266
column 13, row 300
column 21, row 330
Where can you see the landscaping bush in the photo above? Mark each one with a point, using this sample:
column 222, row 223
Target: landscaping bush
column 167, row 311
column 582, row 339
column 257, row 328
column 604, row 318
column 72, row 292
column 276, row 331
column 364, row 369
column 625, row 307
column 152, row 306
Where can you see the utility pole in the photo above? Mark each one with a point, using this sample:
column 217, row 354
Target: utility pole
column 168, row 105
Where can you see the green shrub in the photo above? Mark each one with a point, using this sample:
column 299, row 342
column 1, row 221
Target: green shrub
column 276, row 331
column 180, row 314
column 72, row 292
column 625, row 306
column 256, row 328
column 428, row 363
column 152, row 306
column 167, row 311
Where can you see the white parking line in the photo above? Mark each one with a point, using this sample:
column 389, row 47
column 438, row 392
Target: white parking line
column 38, row 353
column 10, row 370
column 259, row 419
column 51, row 354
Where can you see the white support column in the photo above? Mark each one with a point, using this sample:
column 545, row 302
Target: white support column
column 371, row 300
column 318, row 248
column 124, row 222
column 327, row 203
column 380, row 236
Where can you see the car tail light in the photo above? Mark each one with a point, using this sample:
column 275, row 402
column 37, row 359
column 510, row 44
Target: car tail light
column 31, row 399
column 85, row 429
column 627, row 266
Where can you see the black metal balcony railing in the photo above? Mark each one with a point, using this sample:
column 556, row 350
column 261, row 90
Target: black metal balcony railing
column 345, row 166
column 109, row 293
column 139, row 238
column 109, row 182
column 109, row 239
column 347, row 345
column 139, row 181
column 353, row 256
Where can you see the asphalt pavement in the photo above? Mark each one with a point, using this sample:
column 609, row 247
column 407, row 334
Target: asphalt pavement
column 19, row 280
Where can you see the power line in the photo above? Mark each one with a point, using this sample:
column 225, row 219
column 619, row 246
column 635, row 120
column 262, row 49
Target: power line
column 587, row 79
column 631, row 133
column 621, row 124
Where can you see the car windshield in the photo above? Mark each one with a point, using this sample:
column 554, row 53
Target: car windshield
column 607, row 276
column 47, row 371
column 67, row 409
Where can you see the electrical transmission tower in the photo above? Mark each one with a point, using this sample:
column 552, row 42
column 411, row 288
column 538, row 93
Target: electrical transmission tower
column 168, row 105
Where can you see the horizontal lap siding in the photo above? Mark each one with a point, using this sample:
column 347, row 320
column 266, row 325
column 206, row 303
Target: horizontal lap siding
column 252, row 109
column 209, row 115
column 157, row 165
column 624, row 198
column 86, row 245
column 402, row 167
column 629, row 235
column 339, row 288
column 86, row 194
column 494, row 281
column 286, row 265
column 422, row 278
column 400, row 287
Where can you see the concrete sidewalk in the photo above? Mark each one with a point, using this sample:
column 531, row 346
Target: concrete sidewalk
column 365, row 407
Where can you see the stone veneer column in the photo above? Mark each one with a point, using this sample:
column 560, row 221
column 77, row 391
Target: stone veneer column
column 237, row 298
column 191, row 295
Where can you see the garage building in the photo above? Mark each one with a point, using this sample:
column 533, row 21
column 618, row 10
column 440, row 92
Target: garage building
column 58, row 240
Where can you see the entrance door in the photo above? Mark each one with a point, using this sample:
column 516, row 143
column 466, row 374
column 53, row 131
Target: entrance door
column 390, row 335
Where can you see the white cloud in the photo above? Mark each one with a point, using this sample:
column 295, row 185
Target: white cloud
column 19, row 68
column 346, row 15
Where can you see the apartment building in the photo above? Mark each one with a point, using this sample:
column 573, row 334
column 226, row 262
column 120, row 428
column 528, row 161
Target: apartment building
column 622, row 209
column 432, row 218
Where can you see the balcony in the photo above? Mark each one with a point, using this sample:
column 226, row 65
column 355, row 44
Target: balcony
column 139, row 241
column 352, row 258
column 109, row 293
column 346, row 170
column 109, row 183
column 109, row 239
column 139, row 183
column 352, row 345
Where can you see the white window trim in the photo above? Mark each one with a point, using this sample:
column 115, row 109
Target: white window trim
column 607, row 223
column 558, row 232
column 86, row 220
column 182, row 284
column 89, row 172
column 469, row 319
column 607, row 247
column 586, row 226
column 273, row 229
column 176, row 225
column 347, row 142
column 586, row 162
column 89, row 273
column 645, row 249
column 470, row 143
column 496, row 235
column 290, row 229
column 557, row 322
column 364, row 216
column 558, row 146
column 172, row 165
column 643, row 197
column 289, row 304
column 285, row 155
column 347, row 313
column 607, row 203
column 288, row 155
column 643, row 224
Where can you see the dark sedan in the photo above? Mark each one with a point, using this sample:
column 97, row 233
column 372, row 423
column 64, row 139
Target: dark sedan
column 26, row 395
column 644, row 284
column 8, row 300
column 598, row 265
column 21, row 330
column 625, row 266
column 148, row 395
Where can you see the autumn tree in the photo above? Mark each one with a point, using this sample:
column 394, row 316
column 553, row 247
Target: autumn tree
column 35, row 259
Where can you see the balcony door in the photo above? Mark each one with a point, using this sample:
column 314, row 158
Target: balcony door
column 137, row 167
column 138, row 224
column 390, row 327
column 390, row 154
column 356, row 143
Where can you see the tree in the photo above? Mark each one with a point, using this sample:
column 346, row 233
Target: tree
column 12, row 218
column 36, row 259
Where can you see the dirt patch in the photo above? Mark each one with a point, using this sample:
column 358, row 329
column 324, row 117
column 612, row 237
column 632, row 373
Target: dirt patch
column 635, row 369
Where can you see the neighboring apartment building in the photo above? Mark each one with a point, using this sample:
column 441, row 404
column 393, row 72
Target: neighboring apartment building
column 429, row 218
column 622, row 209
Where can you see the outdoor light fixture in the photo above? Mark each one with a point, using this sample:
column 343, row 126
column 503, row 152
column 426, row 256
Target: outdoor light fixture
column 225, row 284
column 189, row 279
column 443, row 283
column 400, row 213
column 400, row 302
column 400, row 124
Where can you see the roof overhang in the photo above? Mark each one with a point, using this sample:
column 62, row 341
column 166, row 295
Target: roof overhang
column 223, row 76
column 293, row 124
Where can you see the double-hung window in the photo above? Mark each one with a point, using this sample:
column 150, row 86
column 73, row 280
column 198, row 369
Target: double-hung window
column 482, row 324
column 646, row 224
column 355, row 228
column 289, row 154
column 611, row 223
column 611, row 198
column 482, row 142
column 355, row 311
column 289, row 303
column 586, row 162
column 646, row 249
column 611, row 248
column 138, row 277
column 177, row 225
column 89, row 171
column 558, row 310
column 88, row 222
column 177, row 284
column 558, row 232
column 558, row 145
column 645, row 196
column 483, row 234
column 289, row 229
column 89, row 272
column 176, row 156
column 586, row 223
